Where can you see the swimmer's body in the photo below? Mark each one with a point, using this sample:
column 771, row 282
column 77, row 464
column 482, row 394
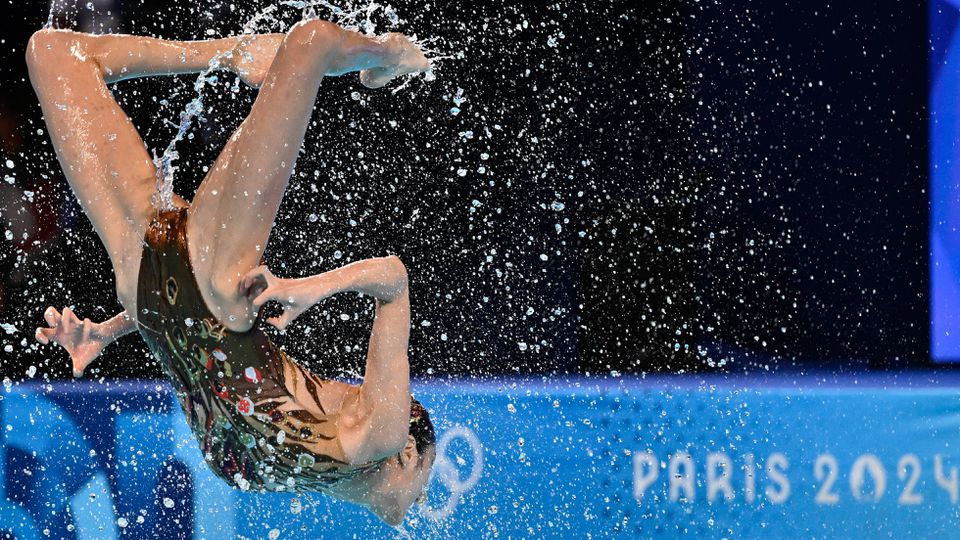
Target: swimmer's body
column 231, row 216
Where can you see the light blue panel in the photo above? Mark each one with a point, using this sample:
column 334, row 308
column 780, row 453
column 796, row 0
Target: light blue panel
column 867, row 457
column 92, row 506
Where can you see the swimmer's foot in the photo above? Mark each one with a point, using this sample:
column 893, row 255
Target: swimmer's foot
column 402, row 57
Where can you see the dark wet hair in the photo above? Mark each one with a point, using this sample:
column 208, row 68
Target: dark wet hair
column 421, row 428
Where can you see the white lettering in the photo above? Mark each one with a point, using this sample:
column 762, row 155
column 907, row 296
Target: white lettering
column 777, row 465
column 719, row 482
column 682, row 481
column 867, row 463
column 825, row 468
column 646, row 469
column 949, row 484
column 750, row 478
column 913, row 462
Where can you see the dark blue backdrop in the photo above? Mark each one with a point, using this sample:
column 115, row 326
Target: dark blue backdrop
column 944, row 184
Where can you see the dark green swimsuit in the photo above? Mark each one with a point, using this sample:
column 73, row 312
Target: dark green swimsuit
column 230, row 384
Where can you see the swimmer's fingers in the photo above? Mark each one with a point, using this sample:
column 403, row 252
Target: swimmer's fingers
column 44, row 335
column 52, row 317
column 280, row 322
column 86, row 329
column 263, row 298
column 254, row 282
column 69, row 319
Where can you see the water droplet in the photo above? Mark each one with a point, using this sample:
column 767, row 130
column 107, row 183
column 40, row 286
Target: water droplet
column 306, row 460
column 168, row 502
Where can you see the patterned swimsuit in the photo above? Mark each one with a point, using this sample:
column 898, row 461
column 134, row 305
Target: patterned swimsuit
column 230, row 384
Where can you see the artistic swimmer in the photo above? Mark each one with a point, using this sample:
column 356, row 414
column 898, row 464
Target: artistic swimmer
column 188, row 276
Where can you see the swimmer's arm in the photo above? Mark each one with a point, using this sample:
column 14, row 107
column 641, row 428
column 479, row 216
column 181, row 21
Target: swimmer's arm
column 82, row 339
column 379, row 423
column 116, row 327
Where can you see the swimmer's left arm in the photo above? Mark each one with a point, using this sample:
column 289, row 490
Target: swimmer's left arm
column 116, row 327
column 83, row 340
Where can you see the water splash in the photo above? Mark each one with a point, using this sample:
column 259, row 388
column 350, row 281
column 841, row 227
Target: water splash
column 163, row 198
column 361, row 18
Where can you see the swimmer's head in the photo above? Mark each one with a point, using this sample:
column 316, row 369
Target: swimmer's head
column 408, row 472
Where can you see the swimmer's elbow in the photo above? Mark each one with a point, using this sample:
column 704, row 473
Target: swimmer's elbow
column 366, row 437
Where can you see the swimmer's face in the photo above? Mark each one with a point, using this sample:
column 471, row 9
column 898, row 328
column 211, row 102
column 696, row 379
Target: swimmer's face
column 415, row 475
column 409, row 479
column 407, row 476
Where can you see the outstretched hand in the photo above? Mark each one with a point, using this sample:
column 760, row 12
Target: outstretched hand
column 295, row 295
column 81, row 339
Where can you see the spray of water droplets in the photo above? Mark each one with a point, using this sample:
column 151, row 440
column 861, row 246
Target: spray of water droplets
column 361, row 18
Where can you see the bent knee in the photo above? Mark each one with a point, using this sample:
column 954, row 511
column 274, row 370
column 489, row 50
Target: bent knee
column 50, row 48
column 315, row 33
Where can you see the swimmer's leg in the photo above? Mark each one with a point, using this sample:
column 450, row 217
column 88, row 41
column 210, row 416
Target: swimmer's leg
column 102, row 155
column 235, row 207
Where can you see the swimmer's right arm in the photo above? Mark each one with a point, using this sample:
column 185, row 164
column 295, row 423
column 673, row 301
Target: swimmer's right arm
column 83, row 340
column 383, row 278
column 379, row 424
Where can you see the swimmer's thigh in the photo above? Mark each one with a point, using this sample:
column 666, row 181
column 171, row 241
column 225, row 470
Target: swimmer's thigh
column 102, row 155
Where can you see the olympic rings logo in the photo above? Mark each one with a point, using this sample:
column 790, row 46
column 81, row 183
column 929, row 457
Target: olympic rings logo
column 447, row 471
